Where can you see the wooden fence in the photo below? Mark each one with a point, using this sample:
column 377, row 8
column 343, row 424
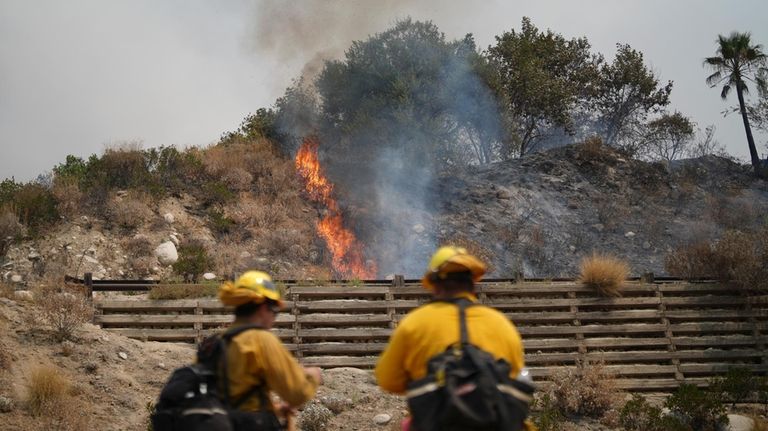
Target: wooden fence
column 655, row 336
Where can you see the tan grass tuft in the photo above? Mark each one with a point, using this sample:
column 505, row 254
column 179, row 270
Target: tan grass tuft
column 587, row 390
column 604, row 273
column 47, row 387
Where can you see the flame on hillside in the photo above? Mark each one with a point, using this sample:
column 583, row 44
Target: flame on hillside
column 347, row 252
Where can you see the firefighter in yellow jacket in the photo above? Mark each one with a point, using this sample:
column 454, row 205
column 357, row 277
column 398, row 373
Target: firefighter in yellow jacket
column 430, row 329
column 257, row 357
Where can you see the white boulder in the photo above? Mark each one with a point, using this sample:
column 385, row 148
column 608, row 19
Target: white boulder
column 209, row 276
column 16, row 278
column 166, row 253
column 169, row 218
column 382, row 419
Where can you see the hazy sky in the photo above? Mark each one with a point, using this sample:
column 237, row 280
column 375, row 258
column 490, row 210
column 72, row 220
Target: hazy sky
column 77, row 75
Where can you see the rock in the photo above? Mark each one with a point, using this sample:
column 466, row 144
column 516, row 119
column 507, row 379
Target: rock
column 646, row 245
column 155, row 270
column 418, row 228
column 33, row 255
column 598, row 227
column 245, row 255
column 739, row 423
column 122, row 193
column 572, row 248
column 122, row 355
column 91, row 251
column 90, row 259
column 23, row 295
column 174, row 239
column 169, row 218
column 16, row 278
column 6, row 404
column 84, row 219
column 209, row 276
column 162, row 366
column 382, row 419
column 629, row 234
column 166, row 253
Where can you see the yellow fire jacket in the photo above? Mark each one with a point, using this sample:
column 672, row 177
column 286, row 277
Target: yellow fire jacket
column 430, row 329
column 258, row 357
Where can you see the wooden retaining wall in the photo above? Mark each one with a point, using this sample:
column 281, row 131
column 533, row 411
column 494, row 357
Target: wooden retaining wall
column 654, row 337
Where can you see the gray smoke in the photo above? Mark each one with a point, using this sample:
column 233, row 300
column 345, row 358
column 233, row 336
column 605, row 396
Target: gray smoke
column 388, row 190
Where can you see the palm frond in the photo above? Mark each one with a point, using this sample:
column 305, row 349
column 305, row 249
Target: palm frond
column 714, row 79
column 726, row 90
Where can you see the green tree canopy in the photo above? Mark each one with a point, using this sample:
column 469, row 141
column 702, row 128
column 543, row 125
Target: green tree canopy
column 627, row 92
column 543, row 78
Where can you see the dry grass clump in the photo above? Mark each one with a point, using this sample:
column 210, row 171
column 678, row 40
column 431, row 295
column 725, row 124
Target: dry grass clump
column 68, row 197
column 49, row 397
column 587, row 390
column 183, row 291
column 736, row 257
column 690, row 261
column 47, row 387
column 129, row 212
column 138, row 245
column 606, row 274
column 10, row 229
column 314, row 417
column 64, row 309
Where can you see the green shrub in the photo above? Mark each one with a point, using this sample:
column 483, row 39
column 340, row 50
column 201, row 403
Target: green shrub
column 698, row 409
column 33, row 204
column 737, row 385
column 549, row 417
column 220, row 223
column 216, row 193
column 638, row 415
column 193, row 261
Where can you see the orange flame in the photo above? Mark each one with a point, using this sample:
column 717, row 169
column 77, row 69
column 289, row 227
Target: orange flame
column 347, row 252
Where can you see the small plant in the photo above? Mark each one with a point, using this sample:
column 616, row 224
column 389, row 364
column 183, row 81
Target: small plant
column 698, row 409
column 150, row 408
column 129, row 212
column 220, row 223
column 10, row 229
column 47, row 387
column 549, row 417
column 587, row 390
column 314, row 417
column 736, row 385
column 638, row 415
column 63, row 309
column 690, row 262
column 193, row 261
column 605, row 274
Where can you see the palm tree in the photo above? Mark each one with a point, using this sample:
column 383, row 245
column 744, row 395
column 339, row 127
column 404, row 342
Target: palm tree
column 737, row 62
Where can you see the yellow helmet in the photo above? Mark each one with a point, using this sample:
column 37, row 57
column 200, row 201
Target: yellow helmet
column 449, row 259
column 252, row 286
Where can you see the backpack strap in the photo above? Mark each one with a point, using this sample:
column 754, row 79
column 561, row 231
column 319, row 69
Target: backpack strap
column 224, row 341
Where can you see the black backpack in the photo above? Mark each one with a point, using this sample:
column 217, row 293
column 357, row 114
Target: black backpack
column 467, row 389
column 195, row 399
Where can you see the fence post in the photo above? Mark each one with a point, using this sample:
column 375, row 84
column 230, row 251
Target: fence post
column 398, row 281
column 198, row 325
column 648, row 278
column 88, row 282
column 296, row 326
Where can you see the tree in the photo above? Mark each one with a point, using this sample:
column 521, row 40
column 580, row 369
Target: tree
column 627, row 92
column 542, row 79
column 736, row 63
column 408, row 91
column 668, row 137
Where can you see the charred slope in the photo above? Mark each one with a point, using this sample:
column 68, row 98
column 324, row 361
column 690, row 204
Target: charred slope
column 541, row 214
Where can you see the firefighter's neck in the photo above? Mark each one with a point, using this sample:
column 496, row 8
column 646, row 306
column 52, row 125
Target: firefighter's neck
column 263, row 317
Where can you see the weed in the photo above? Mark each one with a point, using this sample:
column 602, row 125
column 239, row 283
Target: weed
column 605, row 274
column 700, row 410
column 549, row 417
column 638, row 415
column 10, row 229
column 737, row 385
column 64, row 309
column 129, row 212
column 138, row 245
column 193, row 260
column 587, row 390
column 689, row 261
column 47, row 387
column 314, row 417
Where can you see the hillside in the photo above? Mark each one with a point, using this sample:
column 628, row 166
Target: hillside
column 246, row 208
